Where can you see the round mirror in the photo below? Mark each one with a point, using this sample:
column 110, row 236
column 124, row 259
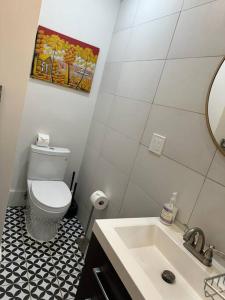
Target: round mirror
column 215, row 109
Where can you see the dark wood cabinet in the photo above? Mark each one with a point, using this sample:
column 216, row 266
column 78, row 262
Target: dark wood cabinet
column 99, row 280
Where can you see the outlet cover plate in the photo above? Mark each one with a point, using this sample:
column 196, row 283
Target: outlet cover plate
column 157, row 143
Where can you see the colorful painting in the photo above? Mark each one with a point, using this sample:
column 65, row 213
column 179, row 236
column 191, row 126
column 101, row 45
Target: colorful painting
column 62, row 60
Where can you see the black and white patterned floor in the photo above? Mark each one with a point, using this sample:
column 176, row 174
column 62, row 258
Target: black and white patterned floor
column 34, row 270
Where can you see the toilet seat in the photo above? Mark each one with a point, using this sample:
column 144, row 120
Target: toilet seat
column 53, row 196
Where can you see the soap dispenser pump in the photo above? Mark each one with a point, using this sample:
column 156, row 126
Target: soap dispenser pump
column 169, row 210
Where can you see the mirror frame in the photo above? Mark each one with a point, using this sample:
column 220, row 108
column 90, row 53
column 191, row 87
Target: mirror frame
column 222, row 151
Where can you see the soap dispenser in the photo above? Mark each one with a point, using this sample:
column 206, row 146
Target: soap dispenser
column 169, row 211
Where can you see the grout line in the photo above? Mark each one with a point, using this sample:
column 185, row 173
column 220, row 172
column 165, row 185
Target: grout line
column 151, row 103
column 146, row 123
column 98, row 158
column 198, row 196
column 182, row 164
column 180, row 109
column 135, row 25
column 196, row 201
column 198, row 5
column 136, row 154
column 134, row 18
column 211, row 163
column 164, row 16
column 128, row 182
column 167, row 58
column 217, row 182
column 178, row 162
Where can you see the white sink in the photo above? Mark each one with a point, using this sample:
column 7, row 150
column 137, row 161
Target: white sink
column 141, row 249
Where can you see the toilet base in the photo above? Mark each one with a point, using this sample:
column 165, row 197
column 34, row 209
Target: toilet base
column 42, row 225
column 39, row 229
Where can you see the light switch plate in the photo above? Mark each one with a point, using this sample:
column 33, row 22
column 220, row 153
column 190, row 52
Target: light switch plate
column 157, row 143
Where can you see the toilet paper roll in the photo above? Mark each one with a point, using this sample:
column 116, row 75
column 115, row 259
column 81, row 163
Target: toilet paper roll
column 42, row 140
column 99, row 200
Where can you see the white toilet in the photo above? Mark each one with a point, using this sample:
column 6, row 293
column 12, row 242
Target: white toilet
column 48, row 196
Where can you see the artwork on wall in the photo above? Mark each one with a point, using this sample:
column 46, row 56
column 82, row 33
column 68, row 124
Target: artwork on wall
column 62, row 60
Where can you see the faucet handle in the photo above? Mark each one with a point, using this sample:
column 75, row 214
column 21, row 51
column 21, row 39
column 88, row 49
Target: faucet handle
column 208, row 255
column 209, row 252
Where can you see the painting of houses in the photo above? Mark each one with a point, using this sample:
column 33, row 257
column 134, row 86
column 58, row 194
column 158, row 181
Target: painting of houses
column 63, row 60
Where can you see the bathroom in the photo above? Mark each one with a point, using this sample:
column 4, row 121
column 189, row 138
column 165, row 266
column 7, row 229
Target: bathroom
column 143, row 132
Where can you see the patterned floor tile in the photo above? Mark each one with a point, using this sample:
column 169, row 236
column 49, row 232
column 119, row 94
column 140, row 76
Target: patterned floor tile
column 12, row 231
column 34, row 270
column 70, row 228
column 13, row 252
column 15, row 291
column 14, row 212
column 45, row 289
column 67, row 265
column 13, row 272
column 40, row 268
column 63, row 246
column 68, row 286
column 36, row 249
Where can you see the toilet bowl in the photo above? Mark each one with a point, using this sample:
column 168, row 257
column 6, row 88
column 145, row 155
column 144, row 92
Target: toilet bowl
column 48, row 196
column 48, row 202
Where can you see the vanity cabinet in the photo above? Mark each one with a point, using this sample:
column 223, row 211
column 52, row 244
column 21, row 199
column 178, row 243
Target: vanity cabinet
column 99, row 280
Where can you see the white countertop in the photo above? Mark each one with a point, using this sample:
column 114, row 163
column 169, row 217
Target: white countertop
column 130, row 272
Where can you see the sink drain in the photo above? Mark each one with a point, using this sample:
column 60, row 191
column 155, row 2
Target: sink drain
column 168, row 276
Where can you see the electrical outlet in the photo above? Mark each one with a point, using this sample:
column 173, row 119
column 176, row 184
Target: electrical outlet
column 157, row 144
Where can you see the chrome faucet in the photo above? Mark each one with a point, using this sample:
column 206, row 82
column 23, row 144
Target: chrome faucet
column 194, row 242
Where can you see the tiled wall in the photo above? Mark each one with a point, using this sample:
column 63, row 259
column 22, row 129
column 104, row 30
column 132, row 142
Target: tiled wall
column 163, row 56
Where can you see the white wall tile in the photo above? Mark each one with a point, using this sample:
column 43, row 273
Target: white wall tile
column 200, row 32
column 183, row 87
column 126, row 14
column 185, row 83
column 113, row 183
column 160, row 176
column 96, row 135
column 103, row 107
column 128, row 116
column 119, row 45
column 193, row 3
column 119, row 150
column 188, row 141
column 139, row 79
column 217, row 168
column 110, row 77
column 151, row 40
column 209, row 213
column 87, row 176
column 152, row 9
column 82, row 214
column 138, row 204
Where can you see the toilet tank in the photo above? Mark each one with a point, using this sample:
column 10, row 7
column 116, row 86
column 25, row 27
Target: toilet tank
column 47, row 163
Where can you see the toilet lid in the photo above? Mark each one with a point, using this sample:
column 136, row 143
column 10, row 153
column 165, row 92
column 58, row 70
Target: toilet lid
column 54, row 195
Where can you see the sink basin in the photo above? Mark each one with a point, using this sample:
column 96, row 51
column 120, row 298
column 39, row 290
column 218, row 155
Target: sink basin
column 155, row 252
column 141, row 249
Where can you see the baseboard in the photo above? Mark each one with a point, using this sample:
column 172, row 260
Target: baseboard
column 16, row 198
